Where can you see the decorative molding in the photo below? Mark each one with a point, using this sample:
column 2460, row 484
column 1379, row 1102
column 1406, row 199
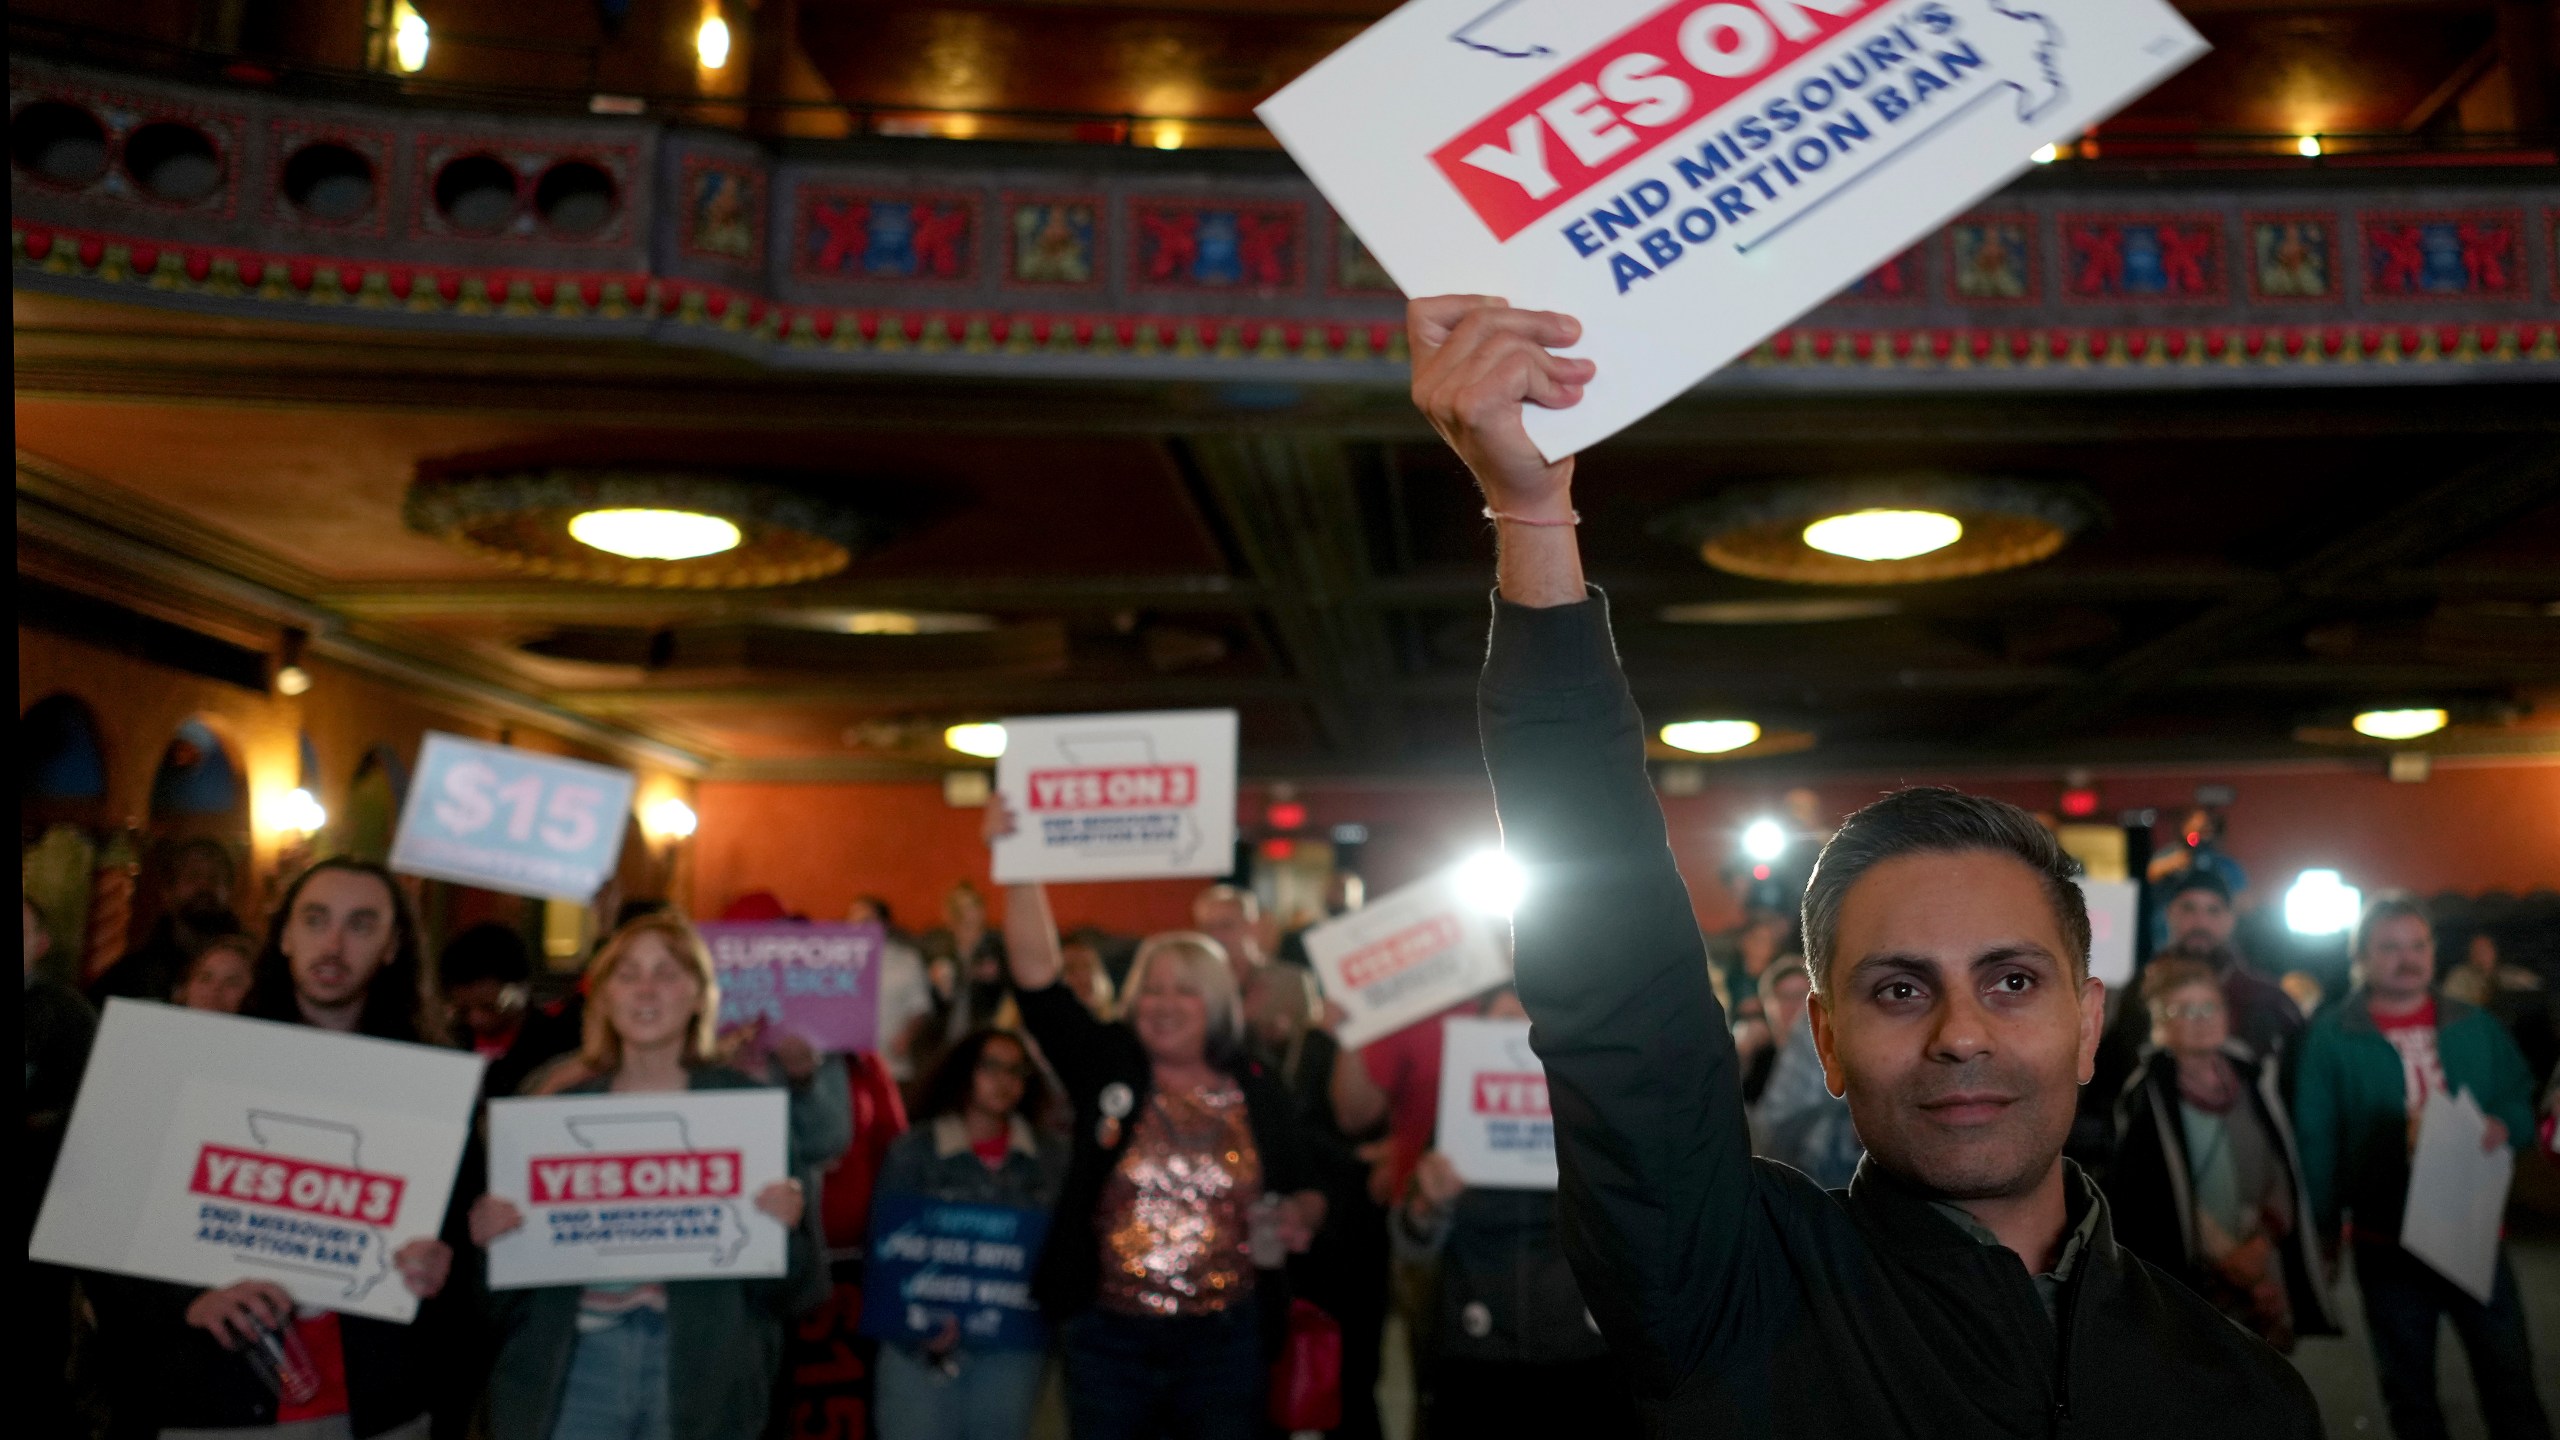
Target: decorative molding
column 130, row 537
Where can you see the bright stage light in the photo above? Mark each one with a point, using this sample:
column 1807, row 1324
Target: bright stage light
column 410, row 38
column 2307, row 146
column 2321, row 904
column 1764, row 840
column 2044, row 154
column 1884, row 534
column 668, row 818
column 1493, row 882
column 299, row 812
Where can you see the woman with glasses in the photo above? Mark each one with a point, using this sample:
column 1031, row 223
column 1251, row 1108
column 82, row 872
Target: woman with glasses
column 977, row 1141
column 2206, row 1183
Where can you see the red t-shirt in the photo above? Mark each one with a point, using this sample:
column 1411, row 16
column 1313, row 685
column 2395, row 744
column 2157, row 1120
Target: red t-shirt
column 991, row 1151
column 328, row 1352
column 2414, row 1036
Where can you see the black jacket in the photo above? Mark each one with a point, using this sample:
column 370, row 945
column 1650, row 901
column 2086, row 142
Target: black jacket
column 2153, row 1192
column 1746, row 1301
column 1090, row 1055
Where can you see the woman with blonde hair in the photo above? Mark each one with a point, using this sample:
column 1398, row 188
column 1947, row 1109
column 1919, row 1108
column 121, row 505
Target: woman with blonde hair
column 596, row 1362
column 1188, row 1187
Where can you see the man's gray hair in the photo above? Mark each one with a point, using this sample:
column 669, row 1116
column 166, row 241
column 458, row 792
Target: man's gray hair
column 1935, row 820
column 2390, row 905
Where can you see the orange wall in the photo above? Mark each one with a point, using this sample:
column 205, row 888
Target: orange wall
column 138, row 707
column 2468, row 828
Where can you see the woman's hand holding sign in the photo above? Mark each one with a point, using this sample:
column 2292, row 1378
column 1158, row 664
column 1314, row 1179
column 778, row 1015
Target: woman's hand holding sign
column 492, row 1219
column 783, row 1201
column 1476, row 361
column 424, row 1266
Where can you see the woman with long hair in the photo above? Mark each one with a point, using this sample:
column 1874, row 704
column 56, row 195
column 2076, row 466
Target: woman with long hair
column 600, row 1362
column 1188, row 1189
column 341, row 954
column 977, row 1140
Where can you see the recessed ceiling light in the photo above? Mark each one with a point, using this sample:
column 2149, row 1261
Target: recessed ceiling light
column 984, row 739
column 1709, row 737
column 1884, row 534
column 2399, row 724
column 655, row 534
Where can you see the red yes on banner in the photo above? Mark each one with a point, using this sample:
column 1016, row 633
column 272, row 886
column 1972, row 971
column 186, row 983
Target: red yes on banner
column 678, row 1175
column 1401, row 951
column 1498, row 1093
column 1115, row 787
column 1610, row 108
column 290, row 1184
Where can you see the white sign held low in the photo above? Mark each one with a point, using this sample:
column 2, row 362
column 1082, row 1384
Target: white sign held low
column 1405, row 957
column 207, row 1149
column 1688, row 177
column 627, row 1188
column 1495, row 1126
column 1119, row 797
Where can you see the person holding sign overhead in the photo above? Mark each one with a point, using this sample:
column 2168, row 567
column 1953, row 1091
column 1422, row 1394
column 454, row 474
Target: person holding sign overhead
column 342, row 954
column 1968, row 1282
column 683, row 1360
column 1188, row 1189
column 976, row 1141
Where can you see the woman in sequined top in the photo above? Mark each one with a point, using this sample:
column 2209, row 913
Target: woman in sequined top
column 1188, row 1188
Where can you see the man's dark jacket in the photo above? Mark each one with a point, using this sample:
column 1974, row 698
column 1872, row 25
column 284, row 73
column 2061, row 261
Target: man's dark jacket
column 1743, row 1299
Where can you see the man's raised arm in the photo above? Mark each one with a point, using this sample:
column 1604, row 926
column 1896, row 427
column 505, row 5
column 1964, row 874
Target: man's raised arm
column 1650, row 1133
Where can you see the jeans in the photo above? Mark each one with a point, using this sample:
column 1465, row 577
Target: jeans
column 617, row 1386
column 991, row 1396
column 2403, row 1300
column 1197, row 1377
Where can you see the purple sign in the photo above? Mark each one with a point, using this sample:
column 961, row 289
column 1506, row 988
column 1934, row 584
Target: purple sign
column 821, row 982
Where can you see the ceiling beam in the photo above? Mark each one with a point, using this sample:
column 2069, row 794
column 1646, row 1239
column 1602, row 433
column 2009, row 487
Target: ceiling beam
column 1290, row 506
column 563, row 603
column 2518, row 478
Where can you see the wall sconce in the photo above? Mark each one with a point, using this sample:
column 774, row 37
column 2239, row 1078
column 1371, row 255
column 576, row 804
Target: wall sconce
column 298, row 814
column 668, row 819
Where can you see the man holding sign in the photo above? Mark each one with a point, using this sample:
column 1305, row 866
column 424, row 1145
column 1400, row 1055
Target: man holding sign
column 1967, row 1283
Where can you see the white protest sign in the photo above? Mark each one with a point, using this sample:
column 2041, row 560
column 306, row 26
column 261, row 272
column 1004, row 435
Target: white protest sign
column 510, row 820
column 1119, row 797
column 626, row 1188
column 2113, row 906
column 1494, row 1122
column 2457, row 1194
column 1686, row 178
column 207, row 1149
column 1405, row 957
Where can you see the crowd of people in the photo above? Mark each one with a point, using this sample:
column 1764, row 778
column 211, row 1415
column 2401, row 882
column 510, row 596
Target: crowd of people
column 1882, row 1160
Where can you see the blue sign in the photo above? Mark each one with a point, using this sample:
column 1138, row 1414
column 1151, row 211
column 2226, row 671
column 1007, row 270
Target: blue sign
column 941, row 1271
column 506, row 819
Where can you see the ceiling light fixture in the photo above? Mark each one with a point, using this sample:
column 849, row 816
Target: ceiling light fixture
column 711, row 42
column 410, row 38
column 1886, row 529
column 299, row 812
column 1764, row 840
column 1710, row 737
column 1884, row 534
column 1168, row 135
column 984, row 739
column 655, row 534
column 677, row 530
column 2045, row 154
column 2307, row 146
column 2399, row 724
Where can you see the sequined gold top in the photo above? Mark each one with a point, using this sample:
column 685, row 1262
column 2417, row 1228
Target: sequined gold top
column 1174, row 1219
